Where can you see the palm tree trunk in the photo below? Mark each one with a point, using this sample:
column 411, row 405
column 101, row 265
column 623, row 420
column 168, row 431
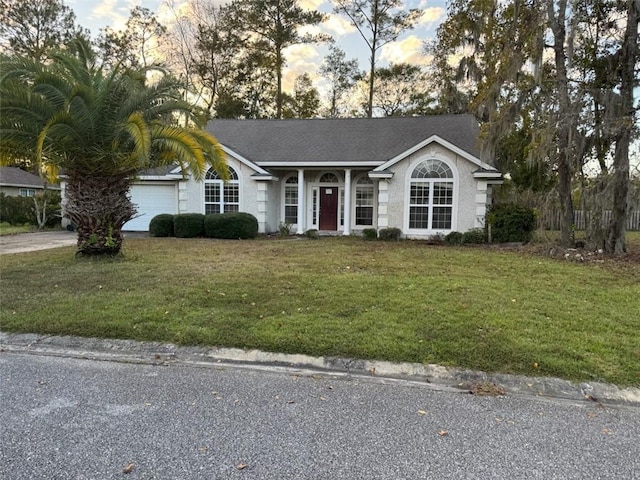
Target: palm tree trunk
column 99, row 207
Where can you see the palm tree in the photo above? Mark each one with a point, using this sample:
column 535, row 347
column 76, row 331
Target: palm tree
column 99, row 128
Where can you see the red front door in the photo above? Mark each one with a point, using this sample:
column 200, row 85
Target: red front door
column 328, row 208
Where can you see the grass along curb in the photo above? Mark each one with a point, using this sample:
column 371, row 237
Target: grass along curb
column 470, row 308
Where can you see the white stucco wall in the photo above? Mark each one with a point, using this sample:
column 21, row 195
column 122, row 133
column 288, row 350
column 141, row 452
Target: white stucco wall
column 465, row 189
column 256, row 197
column 264, row 199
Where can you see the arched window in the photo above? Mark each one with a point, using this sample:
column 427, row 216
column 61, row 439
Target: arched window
column 220, row 196
column 329, row 178
column 291, row 200
column 431, row 196
column 364, row 201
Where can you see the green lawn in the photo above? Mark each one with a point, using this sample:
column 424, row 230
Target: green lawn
column 472, row 307
column 7, row 229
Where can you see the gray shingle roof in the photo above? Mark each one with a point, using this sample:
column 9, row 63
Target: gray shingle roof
column 15, row 177
column 341, row 140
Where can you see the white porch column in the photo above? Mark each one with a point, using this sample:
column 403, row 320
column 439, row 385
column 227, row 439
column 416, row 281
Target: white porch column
column 302, row 221
column 383, row 203
column 347, row 202
column 482, row 190
column 263, row 199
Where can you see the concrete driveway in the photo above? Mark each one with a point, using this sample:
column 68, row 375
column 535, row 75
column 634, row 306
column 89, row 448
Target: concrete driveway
column 29, row 242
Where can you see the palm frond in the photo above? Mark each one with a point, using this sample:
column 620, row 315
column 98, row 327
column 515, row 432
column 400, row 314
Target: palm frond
column 213, row 152
column 140, row 135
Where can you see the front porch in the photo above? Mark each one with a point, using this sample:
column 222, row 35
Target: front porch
column 331, row 201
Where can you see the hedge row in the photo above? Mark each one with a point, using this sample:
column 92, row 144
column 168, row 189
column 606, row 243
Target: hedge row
column 21, row 210
column 473, row 236
column 217, row 225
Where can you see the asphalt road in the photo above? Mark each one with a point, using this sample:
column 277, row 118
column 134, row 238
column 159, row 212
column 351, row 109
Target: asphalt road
column 66, row 418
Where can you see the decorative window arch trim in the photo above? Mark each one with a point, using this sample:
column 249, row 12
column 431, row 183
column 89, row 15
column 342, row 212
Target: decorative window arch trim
column 338, row 179
column 431, row 202
column 221, row 196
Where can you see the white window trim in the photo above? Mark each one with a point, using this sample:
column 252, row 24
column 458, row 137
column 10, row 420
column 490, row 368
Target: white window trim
column 28, row 192
column 221, row 185
column 283, row 215
column 354, row 200
column 316, row 186
column 407, row 198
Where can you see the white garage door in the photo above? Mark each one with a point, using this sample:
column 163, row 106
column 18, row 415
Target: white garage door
column 151, row 200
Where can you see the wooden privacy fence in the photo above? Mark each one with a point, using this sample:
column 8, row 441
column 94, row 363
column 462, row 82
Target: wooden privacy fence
column 551, row 220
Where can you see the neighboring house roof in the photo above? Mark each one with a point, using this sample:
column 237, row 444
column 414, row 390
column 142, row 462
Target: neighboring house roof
column 359, row 141
column 16, row 177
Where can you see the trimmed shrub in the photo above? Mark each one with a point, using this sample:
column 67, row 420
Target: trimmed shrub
column 511, row 223
column 474, row 236
column 389, row 234
column 188, row 225
column 161, row 225
column 312, row 234
column 285, row 229
column 435, row 239
column 454, row 238
column 370, row 234
column 231, row 225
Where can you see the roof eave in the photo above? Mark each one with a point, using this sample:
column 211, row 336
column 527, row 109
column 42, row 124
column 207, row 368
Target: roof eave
column 380, row 175
column 316, row 164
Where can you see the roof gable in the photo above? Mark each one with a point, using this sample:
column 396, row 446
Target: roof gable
column 435, row 139
column 16, row 177
column 361, row 141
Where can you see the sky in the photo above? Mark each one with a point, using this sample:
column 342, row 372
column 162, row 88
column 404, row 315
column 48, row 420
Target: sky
column 97, row 14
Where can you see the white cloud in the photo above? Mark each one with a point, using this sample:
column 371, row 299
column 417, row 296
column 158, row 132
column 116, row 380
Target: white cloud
column 338, row 25
column 168, row 11
column 109, row 13
column 409, row 50
column 300, row 59
column 432, row 15
column 310, row 4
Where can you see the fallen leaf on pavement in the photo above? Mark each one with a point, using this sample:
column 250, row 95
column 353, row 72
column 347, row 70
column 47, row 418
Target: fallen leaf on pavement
column 241, row 466
column 486, row 389
column 128, row 468
column 443, row 433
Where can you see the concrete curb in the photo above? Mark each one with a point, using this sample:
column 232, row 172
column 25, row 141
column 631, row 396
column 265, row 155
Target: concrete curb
column 435, row 376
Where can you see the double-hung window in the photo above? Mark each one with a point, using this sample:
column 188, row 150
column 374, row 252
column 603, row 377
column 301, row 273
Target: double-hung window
column 291, row 200
column 364, row 201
